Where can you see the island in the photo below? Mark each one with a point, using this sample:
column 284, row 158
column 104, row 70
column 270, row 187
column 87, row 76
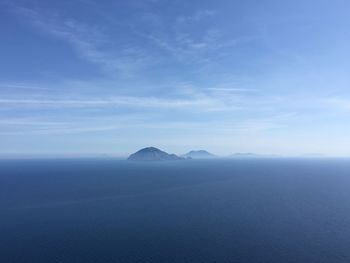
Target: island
column 153, row 154
column 200, row 154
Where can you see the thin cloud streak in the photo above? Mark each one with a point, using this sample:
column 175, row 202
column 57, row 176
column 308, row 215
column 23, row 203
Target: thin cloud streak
column 190, row 127
column 232, row 89
column 116, row 101
column 209, row 100
column 21, row 87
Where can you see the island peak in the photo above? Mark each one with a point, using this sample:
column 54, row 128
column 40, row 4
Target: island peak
column 153, row 154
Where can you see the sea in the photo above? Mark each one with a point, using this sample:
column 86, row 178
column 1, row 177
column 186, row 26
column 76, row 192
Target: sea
column 239, row 210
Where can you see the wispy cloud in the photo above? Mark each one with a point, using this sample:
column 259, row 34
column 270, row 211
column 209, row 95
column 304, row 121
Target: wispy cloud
column 188, row 42
column 20, row 86
column 187, row 98
column 90, row 42
column 35, row 126
column 219, row 89
column 184, row 47
column 338, row 103
column 197, row 16
column 139, row 102
column 199, row 51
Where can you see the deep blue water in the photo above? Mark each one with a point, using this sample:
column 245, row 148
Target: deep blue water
column 283, row 210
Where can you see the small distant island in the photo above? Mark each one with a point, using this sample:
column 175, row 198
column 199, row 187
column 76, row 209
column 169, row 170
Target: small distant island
column 200, row 154
column 153, row 154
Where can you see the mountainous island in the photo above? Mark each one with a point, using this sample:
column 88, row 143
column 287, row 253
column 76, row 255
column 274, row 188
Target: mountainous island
column 153, row 154
column 200, row 154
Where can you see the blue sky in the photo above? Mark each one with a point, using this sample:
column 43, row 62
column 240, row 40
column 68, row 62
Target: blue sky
column 95, row 77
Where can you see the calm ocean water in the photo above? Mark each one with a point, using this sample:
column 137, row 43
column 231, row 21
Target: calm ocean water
column 286, row 210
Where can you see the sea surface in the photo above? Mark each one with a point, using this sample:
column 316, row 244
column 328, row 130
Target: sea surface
column 242, row 210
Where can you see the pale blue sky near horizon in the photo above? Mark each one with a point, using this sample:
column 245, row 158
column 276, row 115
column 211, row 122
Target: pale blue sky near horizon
column 109, row 77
